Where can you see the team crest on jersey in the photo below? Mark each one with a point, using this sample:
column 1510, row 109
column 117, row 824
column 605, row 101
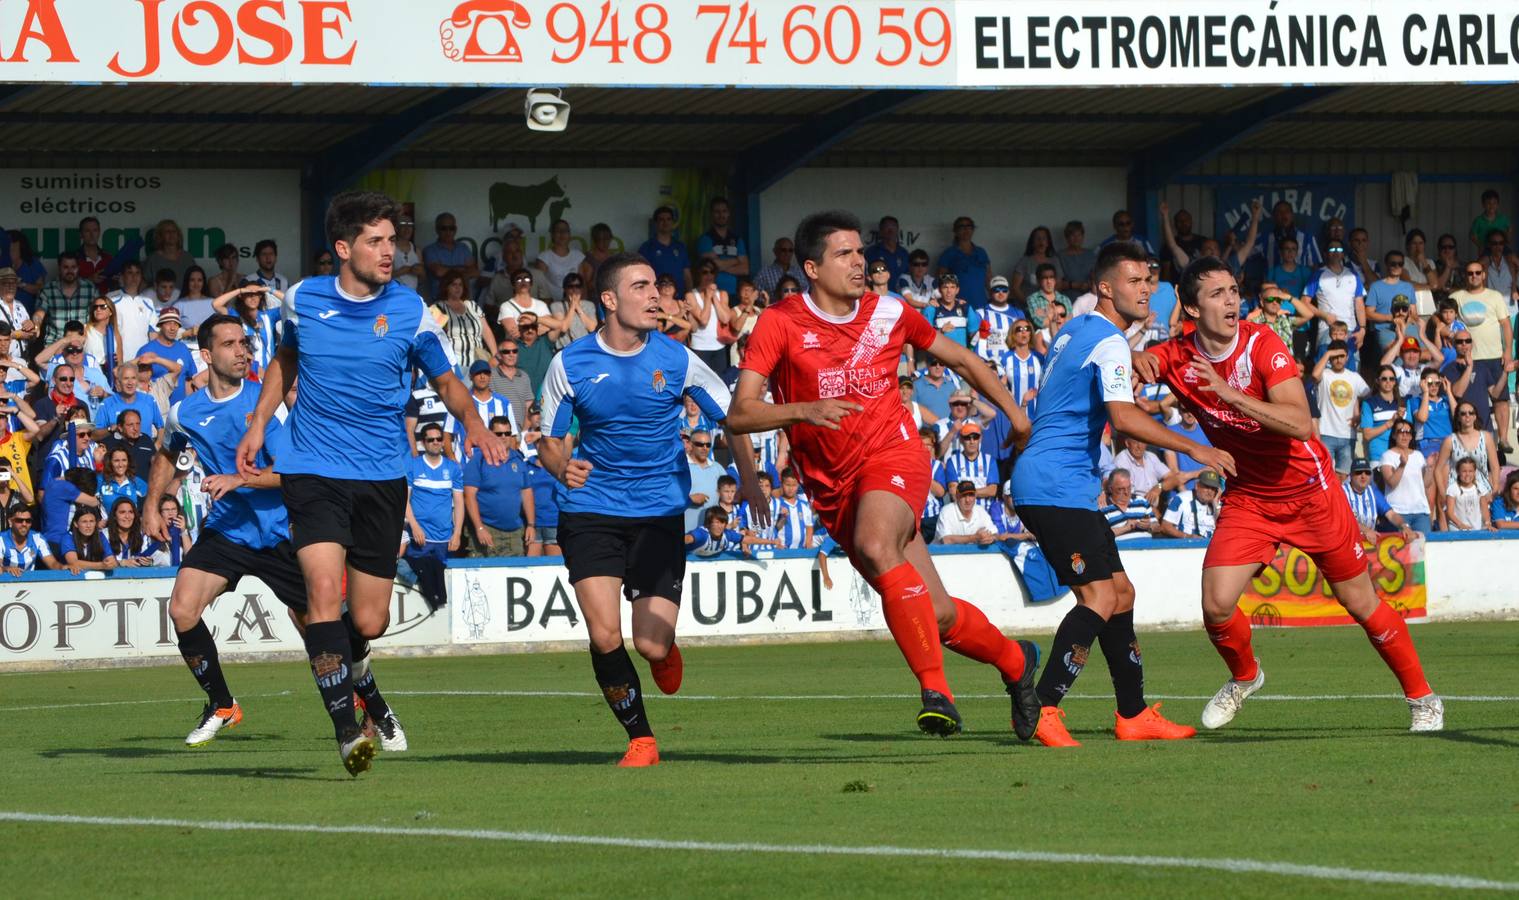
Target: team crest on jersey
column 1078, row 565
column 659, row 381
column 381, row 325
column 832, row 383
column 1279, row 362
column 810, row 341
column 247, row 420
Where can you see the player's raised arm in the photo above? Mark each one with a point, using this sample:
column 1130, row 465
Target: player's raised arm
column 973, row 369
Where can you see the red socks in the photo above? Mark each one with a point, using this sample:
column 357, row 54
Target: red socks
column 975, row 637
column 1232, row 641
column 1389, row 635
column 909, row 614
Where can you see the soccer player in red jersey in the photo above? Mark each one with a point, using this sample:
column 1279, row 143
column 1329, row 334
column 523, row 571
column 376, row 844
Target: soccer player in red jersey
column 831, row 358
column 1240, row 381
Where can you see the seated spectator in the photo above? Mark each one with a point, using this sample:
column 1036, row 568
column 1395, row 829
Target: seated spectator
column 792, row 514
column 878, row 279
column 951, row 312
column 965, row 521
column 1277, row 311
column 705, row 471
column 1128, row 514
column 22, row 549
column 768, row 281
column 1147, row 474
column 61, row 500
column 990, row 327
column 674, row 314
column 84, row 546
column 227, row 277
column 128, row 436
column 1408, row 479
column 714, row 536
column 1369, row 504
column 1193, row 513
column 15, row 375
column 917, row 285
column 1504, row 510
column 120, row 479
column 1044, row 294
column 576, row 313
column 1055, row 317
column 509, row 380
column 1076, row 262
column 464, row 323
column 933, row 387
column 970, row 462
column 1467, row 506
column 1470, row 441
column 545, row 521
column 499, row 499
column 168, row 251
column 181, row 535
column 520, row 302
column 1381, row 408
column 127, row 397
column 124, row 534
column 165, row 288
column 748, row 521
column 74, row 447
column 435, row 500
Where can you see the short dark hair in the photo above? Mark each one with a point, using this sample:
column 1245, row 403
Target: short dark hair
column 5, row 329
column 1115, row 253
column 789, row 472
column 1042, row 268
column 1336, row 345
column 1489, row 193
column 88, row 219
column 726, row 481
column 919, row 255
column 609, row 273
column 1192, row 277
column 500, row 420
column 68, row 254
column 269, row 242
column 812, row 234
column 716, row 200
column 713, row 512
column 891, row 219
column 226, row 251
column 82, row 478
column 207, row 328
column 430, row 426
column 165, row 275
column 664, row 209
column 1387, row 257
column 131, row 264
column 350, row 211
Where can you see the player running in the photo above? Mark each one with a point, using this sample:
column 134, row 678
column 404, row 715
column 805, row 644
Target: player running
column 1055, row 484
column 245, row 534
column 623, row 494
column 831, row 360
column 1240, row 381
column 354, row 339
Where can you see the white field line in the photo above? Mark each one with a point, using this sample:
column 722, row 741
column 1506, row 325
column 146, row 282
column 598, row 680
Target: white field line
column 784, row 698
column 1231, row 866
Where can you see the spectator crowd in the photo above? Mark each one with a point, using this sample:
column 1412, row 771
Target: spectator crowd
column 1406, row 357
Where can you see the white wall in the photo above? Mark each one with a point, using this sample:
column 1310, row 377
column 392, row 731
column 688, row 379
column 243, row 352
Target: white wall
column 1005, row 203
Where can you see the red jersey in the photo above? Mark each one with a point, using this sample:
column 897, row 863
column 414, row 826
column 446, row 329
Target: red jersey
column 809, row 355
column 1271, row 466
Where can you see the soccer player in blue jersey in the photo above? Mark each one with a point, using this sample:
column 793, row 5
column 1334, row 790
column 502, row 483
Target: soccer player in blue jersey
column 245, row 534
column 1087, row 382
column 354, row 339
column 623, row 493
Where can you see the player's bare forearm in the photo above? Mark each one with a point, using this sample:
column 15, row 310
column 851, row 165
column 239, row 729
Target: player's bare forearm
column 276, row 380
column 1283, row 418
column 1128, row 419
column 973, row 369
column 554, row 455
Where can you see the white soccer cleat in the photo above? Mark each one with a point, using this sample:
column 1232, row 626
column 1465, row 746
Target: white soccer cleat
column 212, row 721
column 356, row 750
column 1427, row 713
column 392, row 735
column 1225, row 704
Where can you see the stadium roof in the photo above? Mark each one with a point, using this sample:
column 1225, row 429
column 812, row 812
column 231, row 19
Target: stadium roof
column 283, row 126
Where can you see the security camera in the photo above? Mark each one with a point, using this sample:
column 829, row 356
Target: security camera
column 547, row 110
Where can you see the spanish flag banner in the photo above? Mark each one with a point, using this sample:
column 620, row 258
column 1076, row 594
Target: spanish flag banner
column 1292, row 591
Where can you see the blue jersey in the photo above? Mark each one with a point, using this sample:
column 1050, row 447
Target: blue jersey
column 980, row 470
column 999, row 325
column 792, row 518
column 432, row 495
column 1088, row 366
column 145, row 406
column 545, row 504
column 498, row 489
column 1022, row 375
column 1368, row 505
column 25, row 555
column 704, row 543
column 251, row 517
column 356, row 359
column 628, row 406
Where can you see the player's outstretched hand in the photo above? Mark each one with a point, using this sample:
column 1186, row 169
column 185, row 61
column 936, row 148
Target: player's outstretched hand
column 827, row 413
column 1208, row 378
column 759, row 505
column 154, row 525
column 1216, row 459
column 247, row 452
column 1146, row 367
column 218, row 486
column 576, row 471
column 478, row 437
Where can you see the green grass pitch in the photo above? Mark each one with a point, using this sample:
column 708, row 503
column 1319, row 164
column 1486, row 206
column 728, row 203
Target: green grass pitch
column 804, row 748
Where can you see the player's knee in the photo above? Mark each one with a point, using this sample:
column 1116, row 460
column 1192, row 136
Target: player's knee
column 184, row 611
column 371, row 626
column 878, row 552
column 605, row 640
column 652, row 649
column 1125, row 598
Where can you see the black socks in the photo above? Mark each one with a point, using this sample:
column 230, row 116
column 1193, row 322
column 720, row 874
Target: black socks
column 1068, row 654
column 199, row 650
column 619, row 683
column 331, row 665
column 1121, row 647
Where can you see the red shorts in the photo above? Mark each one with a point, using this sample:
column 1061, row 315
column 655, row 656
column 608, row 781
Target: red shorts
column 1321, row 525
column 902, row 470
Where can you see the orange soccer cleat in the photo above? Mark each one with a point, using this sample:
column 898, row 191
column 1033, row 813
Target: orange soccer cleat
column 1051, row 730
column 668, row 671
column 641, row 752
column 1150, row 725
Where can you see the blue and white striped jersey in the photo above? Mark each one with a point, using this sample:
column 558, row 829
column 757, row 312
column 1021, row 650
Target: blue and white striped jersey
column 1138, row 508
column 792, row 518
column 1022, row 375
column 981, row 470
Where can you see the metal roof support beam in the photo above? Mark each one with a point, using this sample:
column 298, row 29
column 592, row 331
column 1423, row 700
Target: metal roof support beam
column 767, row 162
column 333, row 169
column 1150, row 170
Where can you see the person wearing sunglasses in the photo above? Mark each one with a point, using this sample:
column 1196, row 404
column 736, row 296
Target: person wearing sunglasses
column 1485, row 313
column 520, row 303
column 24, row 550
column 447, row 253
column 499, row 499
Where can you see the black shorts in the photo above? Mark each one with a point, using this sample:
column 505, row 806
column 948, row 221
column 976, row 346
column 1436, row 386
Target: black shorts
column 648, row 554
column 276, row 567
column 1078, row 543
column 366, row 517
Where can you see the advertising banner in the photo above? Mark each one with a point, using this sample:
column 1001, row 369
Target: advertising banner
column 1292, row 591
column 787, row 43
column 1313, row 205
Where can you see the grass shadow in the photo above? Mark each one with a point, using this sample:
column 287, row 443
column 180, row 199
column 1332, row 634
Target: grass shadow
column 282, row 773
column 601, row 758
